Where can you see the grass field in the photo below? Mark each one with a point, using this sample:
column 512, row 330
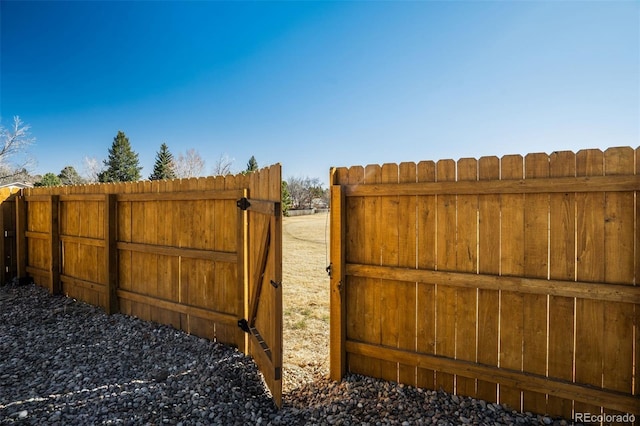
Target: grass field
column 305, row 289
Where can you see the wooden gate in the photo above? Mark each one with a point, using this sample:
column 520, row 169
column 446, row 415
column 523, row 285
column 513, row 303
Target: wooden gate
column 263, row 297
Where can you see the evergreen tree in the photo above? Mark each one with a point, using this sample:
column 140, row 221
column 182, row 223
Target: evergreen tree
column 49, row 179
column 252, row 165
column 69, row 176
column 287, row 203
column 164, row 166
column 122, row 164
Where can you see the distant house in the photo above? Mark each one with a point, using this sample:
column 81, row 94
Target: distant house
column 319, row 203
column 17, row 185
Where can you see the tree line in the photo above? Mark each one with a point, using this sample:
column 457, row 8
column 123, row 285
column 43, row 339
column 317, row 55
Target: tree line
column 122, row 165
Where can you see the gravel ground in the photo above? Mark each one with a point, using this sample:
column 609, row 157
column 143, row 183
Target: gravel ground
column 66, row 362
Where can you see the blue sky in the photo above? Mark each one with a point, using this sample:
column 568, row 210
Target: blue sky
column 318, row 84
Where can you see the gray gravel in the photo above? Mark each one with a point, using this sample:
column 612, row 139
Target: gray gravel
column 66, row 362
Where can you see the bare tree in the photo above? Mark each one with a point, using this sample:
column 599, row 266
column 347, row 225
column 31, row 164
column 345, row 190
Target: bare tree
column 14, row 142
column 92, row 169
column 222, row 166
column 303, row 191
column 189, row 165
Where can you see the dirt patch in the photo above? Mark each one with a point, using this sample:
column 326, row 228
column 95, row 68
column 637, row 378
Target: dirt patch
column 305, row 241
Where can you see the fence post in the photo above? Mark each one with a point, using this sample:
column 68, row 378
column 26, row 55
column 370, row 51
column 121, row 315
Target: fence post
column 110, row 254
column 21, row 239
column 3, row 238
column 242, row 295
column 55, row 286
column 337, row 327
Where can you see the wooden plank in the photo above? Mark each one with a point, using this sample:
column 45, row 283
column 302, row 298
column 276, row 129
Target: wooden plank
column 446, row 261
column 466, row 261
column 85, row 241
column 506, row 377
column 536, row 263
column 242, row 265
column 371, row 287
column 590, row 267
column 176, row 251
column 266, row 207
column 218, row 224
column 70, row 198
column 83, row 284
column 167, row 273
column 21, row 240
column 579, row 289
column 5, row 229
column 188, row 193
column 562, row 262
column 111, row 254
column 275, row 188
column 511, row 264
column 44, row 198
column 354, row 287
column 54, row 247
column 178, row 307
column 37, row 235
column 337, row 324
column 488, row 263
column 426, row 259
column 619, row 260
column 407, row 257
column 388, row 246
column 515, row 185
column 636, row 311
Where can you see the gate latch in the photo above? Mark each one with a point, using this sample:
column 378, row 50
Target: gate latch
column 243, row 203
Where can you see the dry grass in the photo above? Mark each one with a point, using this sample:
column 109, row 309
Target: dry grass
column 305, row 298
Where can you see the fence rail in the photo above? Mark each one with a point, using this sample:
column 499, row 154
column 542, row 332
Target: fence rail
column 513, row 280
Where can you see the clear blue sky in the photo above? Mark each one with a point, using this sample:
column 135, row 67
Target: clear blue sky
column 318, row 84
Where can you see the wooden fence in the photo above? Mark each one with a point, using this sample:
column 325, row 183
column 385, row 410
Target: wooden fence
column 189, row 253
column 8, row 258
column 513, row 280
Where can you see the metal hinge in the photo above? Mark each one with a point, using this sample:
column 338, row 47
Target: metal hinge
column 243, row 203
column 244, row 325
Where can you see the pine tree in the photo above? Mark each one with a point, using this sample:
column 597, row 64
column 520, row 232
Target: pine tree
column 122, row 164
column 287, row 203
column 164, row 166
column 252, row 165
column 49, row 179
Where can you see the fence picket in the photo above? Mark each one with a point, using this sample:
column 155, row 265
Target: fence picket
column 466, row 261
column 372, row 255
column 590, row 267
column 446, row 261
column 562, row 262
column 511, row 263
column 619, row 268
column 426, row 246
column 488, row 263
column 407, row 256
column 536, row 261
